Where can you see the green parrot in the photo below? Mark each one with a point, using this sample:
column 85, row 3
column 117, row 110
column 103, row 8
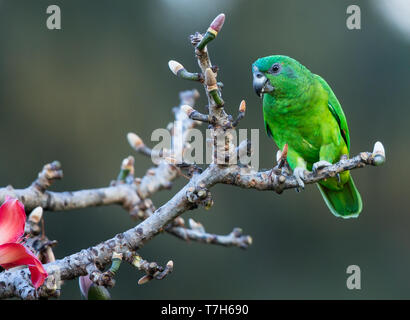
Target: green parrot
column 301, row 110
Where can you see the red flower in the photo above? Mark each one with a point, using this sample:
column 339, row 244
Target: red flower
column 13, row 253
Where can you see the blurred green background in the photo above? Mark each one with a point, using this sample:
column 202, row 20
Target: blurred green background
column 73, row 94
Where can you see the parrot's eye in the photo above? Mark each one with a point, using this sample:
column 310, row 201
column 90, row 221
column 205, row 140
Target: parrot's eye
column 275, row 69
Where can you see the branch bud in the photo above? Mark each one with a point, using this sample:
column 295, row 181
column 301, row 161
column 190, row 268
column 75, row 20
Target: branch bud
column 212, row 87
column 128, row 164
column 196, row 226
column 179, row 70
column 242, row 106
column 170, row 264
column 379, row 154
column 115, row 263
column 179, row 221
column 187, row 109
column 127, row 169
column 175, row 66
column 242, row 109
column 134, row 141
column 144, row 279
column 210, row 79
column 278, row 155
column 36, row 215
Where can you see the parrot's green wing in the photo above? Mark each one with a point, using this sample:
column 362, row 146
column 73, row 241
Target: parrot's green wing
column 337, row 111
column 347, row 202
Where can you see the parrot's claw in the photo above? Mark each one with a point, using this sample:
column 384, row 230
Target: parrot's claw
column 320, row 165
column 299, row 174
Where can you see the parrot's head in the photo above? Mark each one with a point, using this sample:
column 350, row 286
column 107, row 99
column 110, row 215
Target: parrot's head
column 279, row 76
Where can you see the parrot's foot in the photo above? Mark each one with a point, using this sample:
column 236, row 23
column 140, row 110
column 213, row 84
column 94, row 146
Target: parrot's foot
column 299, row 174
column 282, row 166
column 323, row 164
column 320, row 165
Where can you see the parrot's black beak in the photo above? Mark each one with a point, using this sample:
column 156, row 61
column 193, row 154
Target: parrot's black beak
column 261, row 84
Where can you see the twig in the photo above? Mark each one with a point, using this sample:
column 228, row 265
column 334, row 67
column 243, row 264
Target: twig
column 233, row 239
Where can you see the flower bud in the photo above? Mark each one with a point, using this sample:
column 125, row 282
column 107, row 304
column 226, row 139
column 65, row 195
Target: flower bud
column 90, row 291
column 218, row 22
column 212, row 32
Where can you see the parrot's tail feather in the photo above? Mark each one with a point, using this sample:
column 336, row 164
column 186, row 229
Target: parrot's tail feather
column 345, row 203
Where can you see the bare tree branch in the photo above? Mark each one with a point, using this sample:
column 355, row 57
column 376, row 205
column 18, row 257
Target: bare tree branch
column 133, row 194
